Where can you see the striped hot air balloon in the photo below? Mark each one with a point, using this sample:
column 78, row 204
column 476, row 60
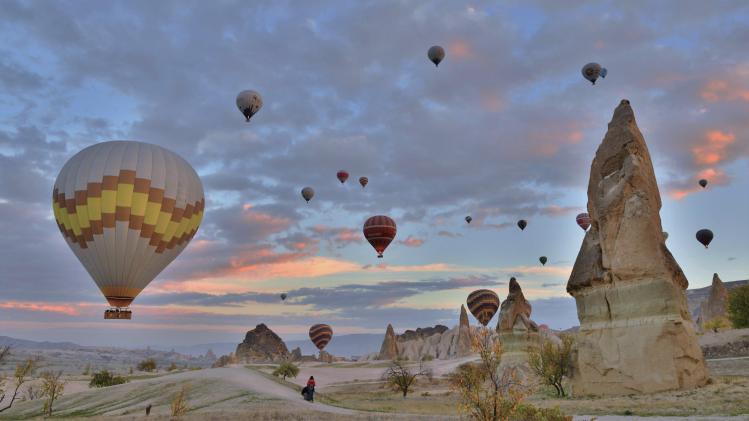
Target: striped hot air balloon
column 126, row 209
column 320, row 335
column 483, row 304
column 363, row 181
column 342, row 176
column 583, row 220
column 380, row 231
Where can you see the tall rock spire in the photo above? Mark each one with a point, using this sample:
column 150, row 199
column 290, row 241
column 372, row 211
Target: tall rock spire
column 635, row 330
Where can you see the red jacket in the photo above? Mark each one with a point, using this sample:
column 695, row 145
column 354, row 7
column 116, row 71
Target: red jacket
column 311, row 383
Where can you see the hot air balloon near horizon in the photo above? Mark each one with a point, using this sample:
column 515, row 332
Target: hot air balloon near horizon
column 583, row 221
column 380, row 231
column 283, row 296
column 126, row 209
column 249, row 103
column 342, row 176
column 436, row 54
column 483, row 304
column 320, row 335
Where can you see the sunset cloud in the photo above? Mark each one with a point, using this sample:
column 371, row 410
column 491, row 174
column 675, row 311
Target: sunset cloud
column 68, row 310
column 411, row 241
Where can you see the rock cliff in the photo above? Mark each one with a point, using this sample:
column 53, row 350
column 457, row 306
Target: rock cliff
column 261, row 345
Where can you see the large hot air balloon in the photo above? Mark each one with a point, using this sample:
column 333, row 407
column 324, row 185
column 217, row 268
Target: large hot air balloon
column 483, row 304
column 283, row 296
column 469, row 219
column 342, row 176
column 436, row 54
column 583, row 221
column 127, row 209
column 543, row 260
column 363, row 181
column 249, row 103
column 703, row 183
column 592, row 71
column 379, row 230
column 308, row 193
column 704, row 236
column 320, row 335
column 522, row 224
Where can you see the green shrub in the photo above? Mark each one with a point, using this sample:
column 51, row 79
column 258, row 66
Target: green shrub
column 286, row 369
column 525, row 412
column 172, row 367
column 552, row 362
column 105, row 379
column 148, row 365
column 738, row 307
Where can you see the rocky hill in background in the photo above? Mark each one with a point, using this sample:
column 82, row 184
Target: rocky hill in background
column 261, row 345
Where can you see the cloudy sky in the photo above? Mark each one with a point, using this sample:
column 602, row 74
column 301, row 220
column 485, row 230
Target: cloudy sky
column 504, row 129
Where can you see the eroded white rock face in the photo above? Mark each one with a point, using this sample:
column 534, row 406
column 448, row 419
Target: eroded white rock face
column 636, row 335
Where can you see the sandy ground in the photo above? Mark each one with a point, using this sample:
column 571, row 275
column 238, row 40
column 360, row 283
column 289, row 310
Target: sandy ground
column 723, row 337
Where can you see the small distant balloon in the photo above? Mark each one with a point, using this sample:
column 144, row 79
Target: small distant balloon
column 283, row 296
column 363, row 181
column 522, row 224
column 469, row 219
column 308, row 193
column 583, row 221
column 249, row 103
column 704, row 236
column 543, row 260
column 592, row 71
column 342, row 176
column 703, row 183
column 436, row 54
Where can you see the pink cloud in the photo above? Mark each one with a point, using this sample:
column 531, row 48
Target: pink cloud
column 460, row 49
column 68, row 309
column 721, row 91
column 412, row 242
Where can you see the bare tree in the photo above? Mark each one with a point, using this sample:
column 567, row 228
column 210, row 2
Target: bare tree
column 400, row 377
column 4, row 354
column 52, row 388
column 23, row 371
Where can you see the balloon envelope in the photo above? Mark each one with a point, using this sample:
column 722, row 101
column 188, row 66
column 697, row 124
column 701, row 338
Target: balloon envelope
column 379, row 230
column 283, row 296
column 583, row 221
column 342, row 176
column 308, row 193
column 436, row 54
column 543, row 260
column 483, row 304
column 704, row 236
column 249, row 102
column 127, row 209
column 363, row 181
column 591, row 72
column 469, row 219
column 320, row 335
column 703, row 183
column 522, row 224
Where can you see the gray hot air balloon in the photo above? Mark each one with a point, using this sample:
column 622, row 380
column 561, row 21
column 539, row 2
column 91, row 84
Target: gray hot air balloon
column 436, row 54
column 308, row 193
column 249, row 103
column 469, row 219
column 592, row 71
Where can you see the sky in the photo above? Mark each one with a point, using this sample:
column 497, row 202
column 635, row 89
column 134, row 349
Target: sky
column 504, row 129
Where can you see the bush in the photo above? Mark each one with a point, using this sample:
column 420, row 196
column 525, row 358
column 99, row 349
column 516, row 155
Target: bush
column 531, row 413
column 148, row 365
column 105, row 379
column 172, row 367
column 179, row 402
column 286, row 369
column 738, row 307
column 224, row 360
column 717, row 324
column 552, row 362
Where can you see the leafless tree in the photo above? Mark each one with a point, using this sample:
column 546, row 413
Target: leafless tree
column 52, row 388
column 400, row 377
column 23, row 371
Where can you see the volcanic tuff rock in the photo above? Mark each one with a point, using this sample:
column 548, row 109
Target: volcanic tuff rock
column 422, row 333
column 515, row 311
column 389, row 348
column 261, row 345
column 296, row 354
column 635, row 335
column 464, row 334
column 715, row 304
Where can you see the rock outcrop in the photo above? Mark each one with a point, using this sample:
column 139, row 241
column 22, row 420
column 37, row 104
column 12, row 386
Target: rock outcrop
column 715, row 305
column 515, row 311
column 463, row 347
column 261, row 345
column 636, row 335
column 389, row 348
column 296, row 354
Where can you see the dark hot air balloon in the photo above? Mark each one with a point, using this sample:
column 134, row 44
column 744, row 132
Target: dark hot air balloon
column 283, row 296
column 320, row 335
column 543, row 260
column 249, row 103
column 469, row 219
column 379, row 230
column 342, row 176
column 704, row 236
column 363, row 181
column 592, row 71
column 436, row 54
column 703, row 183
column 483, row 304
column 583, row 221
column 308, row 193
column 522, row 224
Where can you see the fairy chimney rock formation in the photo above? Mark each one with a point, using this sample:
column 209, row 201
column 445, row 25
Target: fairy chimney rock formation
column 636, row 335
column 389, row 348
column 515, row 311
column 464, row 334
column 262, row 345
column 715, row 304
